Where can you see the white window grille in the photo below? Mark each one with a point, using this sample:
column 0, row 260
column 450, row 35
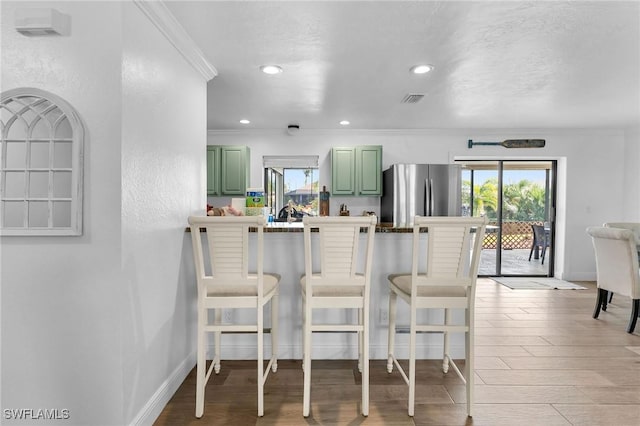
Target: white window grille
column 40, row 164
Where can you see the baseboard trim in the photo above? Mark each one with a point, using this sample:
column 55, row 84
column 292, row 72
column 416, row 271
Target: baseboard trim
column 154, row 406
column 580, row 276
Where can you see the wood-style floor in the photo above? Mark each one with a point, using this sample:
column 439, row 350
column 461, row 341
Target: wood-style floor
column 540, row 360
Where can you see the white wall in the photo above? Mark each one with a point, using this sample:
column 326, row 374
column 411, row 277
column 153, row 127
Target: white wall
column 631, row 211
column 101, row 325
column 591, row 170
column 61, row 296
column 163, row 179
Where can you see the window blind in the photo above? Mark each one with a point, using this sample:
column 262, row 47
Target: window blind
column 291, row 161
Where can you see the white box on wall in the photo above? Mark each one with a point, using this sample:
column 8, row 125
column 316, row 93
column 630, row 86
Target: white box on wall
column 41, row 22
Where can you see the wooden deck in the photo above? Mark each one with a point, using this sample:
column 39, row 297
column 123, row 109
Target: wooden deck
column 514, row 262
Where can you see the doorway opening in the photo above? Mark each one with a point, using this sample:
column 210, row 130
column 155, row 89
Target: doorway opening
column 519, row 198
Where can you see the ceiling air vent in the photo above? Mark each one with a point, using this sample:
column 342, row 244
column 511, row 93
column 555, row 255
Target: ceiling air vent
column 412, row 98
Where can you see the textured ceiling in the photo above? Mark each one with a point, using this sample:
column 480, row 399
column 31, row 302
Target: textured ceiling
column 497, row 64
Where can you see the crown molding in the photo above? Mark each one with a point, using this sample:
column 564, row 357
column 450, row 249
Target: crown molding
column 163, row 19
column 468, row 133
column 315, row 132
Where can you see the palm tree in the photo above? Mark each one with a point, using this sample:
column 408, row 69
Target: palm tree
column 486, row 199
column 523, row 201
column 307, row 173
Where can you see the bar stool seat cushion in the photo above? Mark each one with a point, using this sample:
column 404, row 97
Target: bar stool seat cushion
column 323, row 290
column 402, row 283
column 233, row 289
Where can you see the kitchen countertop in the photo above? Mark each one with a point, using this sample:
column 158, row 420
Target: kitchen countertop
column 278, row 227
column 298, row 227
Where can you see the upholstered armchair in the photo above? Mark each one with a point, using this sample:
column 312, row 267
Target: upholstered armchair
column 617, row 267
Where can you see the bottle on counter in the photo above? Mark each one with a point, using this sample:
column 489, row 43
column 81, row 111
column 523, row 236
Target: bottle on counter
column 324, row 201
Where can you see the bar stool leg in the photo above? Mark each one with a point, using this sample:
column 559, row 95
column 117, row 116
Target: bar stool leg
column 445, row 358
column 392, row 330
column 274, row 332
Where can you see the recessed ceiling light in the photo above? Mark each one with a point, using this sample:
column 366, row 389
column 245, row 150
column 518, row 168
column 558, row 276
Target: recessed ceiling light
column 271, row 69
column 345, row 122
column 421, row 69
column 244, row 121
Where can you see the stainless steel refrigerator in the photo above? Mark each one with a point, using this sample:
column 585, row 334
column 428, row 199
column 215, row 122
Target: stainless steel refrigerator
column 420, row 189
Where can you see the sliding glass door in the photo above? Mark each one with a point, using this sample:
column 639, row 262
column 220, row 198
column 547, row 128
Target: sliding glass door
column 518, row 197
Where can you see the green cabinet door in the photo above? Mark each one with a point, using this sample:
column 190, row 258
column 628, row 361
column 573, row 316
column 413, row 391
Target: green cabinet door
column 369, row 170
column 343, row 171
column 234, row 168
column 227, row 170
column 213, row 170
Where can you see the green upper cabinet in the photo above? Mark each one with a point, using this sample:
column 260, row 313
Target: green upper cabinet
column 343, row 171
column 356, row 170
column 227, row 169
column 369, row 170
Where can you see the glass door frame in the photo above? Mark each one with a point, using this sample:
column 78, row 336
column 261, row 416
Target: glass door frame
column 550, row 210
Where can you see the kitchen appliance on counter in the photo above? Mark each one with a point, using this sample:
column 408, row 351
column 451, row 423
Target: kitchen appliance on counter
column 420, row 189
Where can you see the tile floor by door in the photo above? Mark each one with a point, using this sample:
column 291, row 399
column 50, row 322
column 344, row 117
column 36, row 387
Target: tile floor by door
column 540, row 360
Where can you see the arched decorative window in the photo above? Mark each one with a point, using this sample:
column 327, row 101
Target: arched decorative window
column 40, row 164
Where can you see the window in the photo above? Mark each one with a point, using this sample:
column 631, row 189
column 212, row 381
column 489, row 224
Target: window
column 40, row 164
column 292, row 179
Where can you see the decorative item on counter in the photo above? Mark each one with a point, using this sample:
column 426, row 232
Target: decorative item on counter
column 290, row 211
column 344, row 211
column 257, row 211
column 224, row 211
column 255, row 197
column 232, row 211
column 324, row 201
column 216, row 211
column 369, row 213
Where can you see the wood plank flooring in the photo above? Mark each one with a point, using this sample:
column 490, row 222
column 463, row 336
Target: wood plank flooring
column 540, row 360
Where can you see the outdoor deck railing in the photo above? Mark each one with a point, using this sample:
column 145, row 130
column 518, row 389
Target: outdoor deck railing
column 515, row 235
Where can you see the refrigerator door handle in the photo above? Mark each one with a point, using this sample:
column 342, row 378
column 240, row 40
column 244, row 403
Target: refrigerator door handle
column 432, row 199
column 427, row 197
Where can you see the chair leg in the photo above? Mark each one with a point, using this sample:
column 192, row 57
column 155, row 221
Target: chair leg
column 412, row 362
column 365, row 362
column 602, row 296
column 260, row 336
column 445, row 354
column 217, row 341
column 544, row 252
column 392, row 330
column 360, row 341
column 304, row 317
column 274, row 333
column 533, row 246
column 469, row 362
column 201, row 363
column 306, row 394
column 634, row 315
column 604, row 299
column 610, row 296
